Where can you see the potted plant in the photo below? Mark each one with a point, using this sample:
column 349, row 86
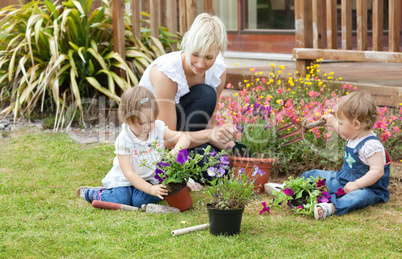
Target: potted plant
column 257, row 133
column 301, row 195
column 174, row 171
column 229, row 194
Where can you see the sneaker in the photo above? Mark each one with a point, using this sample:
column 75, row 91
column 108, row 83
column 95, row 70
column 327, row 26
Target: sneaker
column 80, row 191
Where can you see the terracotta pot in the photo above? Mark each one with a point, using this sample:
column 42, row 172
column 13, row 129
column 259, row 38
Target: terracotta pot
column 181, row 199
column 224, row 222
column 265, row 164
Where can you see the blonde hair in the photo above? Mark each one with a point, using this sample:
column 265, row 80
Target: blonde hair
column 133, row 101
column 359, row 105
column 206, row 31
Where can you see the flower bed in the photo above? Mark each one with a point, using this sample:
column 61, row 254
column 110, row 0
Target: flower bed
column 267, row 102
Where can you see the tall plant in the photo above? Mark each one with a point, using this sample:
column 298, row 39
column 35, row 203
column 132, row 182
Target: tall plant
column 54, row 54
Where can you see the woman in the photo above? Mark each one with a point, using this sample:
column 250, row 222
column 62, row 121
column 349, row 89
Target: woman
column 187, row 84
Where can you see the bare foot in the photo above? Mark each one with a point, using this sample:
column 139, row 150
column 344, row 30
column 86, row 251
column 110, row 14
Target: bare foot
column 194, row 186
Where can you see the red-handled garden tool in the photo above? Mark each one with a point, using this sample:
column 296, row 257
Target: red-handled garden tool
column 299, row 130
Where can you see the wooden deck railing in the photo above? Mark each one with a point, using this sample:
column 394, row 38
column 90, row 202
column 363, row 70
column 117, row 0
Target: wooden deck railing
column 309, row 19
column 176, row 15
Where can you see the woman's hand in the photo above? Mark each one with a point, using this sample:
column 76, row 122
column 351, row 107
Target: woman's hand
column 159, row 191
column 223, row 135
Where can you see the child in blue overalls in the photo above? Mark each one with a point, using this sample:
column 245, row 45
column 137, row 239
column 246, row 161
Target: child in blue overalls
column 364, row 176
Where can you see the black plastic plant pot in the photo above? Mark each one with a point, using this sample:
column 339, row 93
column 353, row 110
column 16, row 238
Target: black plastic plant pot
column 224, row 222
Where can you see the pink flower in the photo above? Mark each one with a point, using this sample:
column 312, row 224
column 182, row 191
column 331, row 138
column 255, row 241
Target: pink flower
column 288, row 191
column 265, row 208
column 339, row 193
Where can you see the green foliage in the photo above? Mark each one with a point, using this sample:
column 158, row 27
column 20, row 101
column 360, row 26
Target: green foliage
column 53, row 55
column 304, row 197
column 232, row 191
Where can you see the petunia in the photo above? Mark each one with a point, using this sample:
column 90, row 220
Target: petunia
column 241, row 170
column 288, row 191
column 160, row 175
column 321, row 183
column 266, row 208
column 182, row 156
column 339, row 193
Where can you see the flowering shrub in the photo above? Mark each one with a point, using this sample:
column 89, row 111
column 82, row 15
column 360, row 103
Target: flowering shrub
column 232, row 191
column 300, row 195
column 267, row 102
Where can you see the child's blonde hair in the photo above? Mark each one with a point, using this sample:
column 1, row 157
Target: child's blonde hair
column 133, row 101
column 359, row 105
column 206, row 31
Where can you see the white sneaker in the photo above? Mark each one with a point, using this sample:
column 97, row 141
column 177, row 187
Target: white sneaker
column 271, row 187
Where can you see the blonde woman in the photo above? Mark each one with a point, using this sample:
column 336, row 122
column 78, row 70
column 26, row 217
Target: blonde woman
column 188, row 83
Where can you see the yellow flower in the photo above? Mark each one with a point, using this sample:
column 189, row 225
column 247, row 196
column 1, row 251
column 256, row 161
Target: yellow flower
column 255, row 73
column 347, row 93
column 330, row 77
column 248, row 85
column 297, row 72
column 271, row 74
column 245, row 80
column 261, row 73
column 272, row 64
column 331, row 73
column 320, row 83
column 340, row 78
column 236, row 64
column 279, row 82
column 293, row 92
column 282, row 67
column 257, row 79
column 400, row 104
column 236, row 94
column 261, row 96
column 280, row 72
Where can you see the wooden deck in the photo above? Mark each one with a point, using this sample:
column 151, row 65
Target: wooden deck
column 383, row 80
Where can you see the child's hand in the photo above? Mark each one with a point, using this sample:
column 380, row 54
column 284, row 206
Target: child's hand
column 330, row 119
column 174, row 152
column 350, row 187
column 159, row 191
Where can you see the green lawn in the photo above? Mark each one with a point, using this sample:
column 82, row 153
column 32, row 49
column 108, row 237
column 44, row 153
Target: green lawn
column 40, row 217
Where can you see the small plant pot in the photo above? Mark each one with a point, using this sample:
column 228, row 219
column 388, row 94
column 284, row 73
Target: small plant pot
column 181, row 199
column 265, row 164
column 224, row 222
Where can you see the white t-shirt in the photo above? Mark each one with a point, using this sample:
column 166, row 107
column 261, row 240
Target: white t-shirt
column 369, row 148
column 128, row 144
column 171, row 65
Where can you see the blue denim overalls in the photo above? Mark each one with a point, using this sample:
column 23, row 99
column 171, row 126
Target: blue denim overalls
column 352, row 170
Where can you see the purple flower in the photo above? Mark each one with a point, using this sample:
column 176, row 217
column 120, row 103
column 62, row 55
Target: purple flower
column 221, row 172
column 320, row 183
column 288, row 191
column 257, row 170
column 241, row 170
column 182, row 156
column 340, row 192
column 290, row 205
column 224, row 161
column 266, row 208
column 160, row 175
column 211, row 171
column 162, row 165
column 323, row 198
column 267, row 126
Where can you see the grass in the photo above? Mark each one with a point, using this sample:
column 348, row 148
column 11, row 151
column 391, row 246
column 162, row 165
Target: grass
column 41, row 217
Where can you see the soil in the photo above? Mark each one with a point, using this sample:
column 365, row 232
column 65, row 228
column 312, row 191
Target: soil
column 175, row 187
